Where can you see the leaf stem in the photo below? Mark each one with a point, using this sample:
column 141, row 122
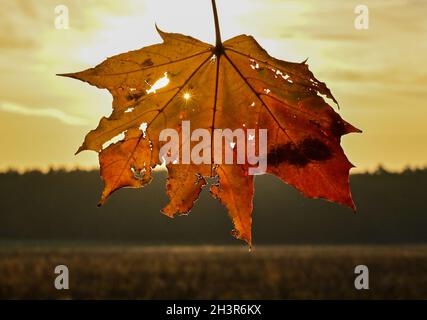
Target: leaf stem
column 218, row 45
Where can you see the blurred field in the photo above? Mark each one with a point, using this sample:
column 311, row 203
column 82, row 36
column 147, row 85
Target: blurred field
column 270, row 272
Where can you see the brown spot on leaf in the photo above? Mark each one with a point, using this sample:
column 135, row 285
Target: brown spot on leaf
column 135, row 95
column 147, row 63
column 314, row 149
column 300, row 155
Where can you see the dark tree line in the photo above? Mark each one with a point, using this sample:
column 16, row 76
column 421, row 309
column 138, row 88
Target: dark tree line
column 61, row 206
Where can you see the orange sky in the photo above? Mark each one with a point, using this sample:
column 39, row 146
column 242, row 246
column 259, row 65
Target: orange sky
column 378, row 75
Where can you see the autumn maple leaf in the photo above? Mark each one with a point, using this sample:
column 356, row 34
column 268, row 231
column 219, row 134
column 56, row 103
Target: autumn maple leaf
column 235, row 84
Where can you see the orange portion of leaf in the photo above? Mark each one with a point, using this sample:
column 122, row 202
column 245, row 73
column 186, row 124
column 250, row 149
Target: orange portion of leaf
column 235, row 190
column 118, row 170
column 183, row 188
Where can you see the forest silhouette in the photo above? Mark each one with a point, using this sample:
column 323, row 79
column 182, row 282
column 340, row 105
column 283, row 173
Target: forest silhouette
column 61, row 206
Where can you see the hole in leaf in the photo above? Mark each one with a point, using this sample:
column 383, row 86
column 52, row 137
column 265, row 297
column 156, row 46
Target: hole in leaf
column 143, row 127
column 161, row 83
column 254, row 65
column 114, row 139
column 138, row 174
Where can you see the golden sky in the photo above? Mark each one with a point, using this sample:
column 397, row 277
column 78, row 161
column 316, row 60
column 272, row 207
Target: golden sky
column 379, row 75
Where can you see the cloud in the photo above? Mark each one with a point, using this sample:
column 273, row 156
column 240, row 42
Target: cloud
column 46, row 112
